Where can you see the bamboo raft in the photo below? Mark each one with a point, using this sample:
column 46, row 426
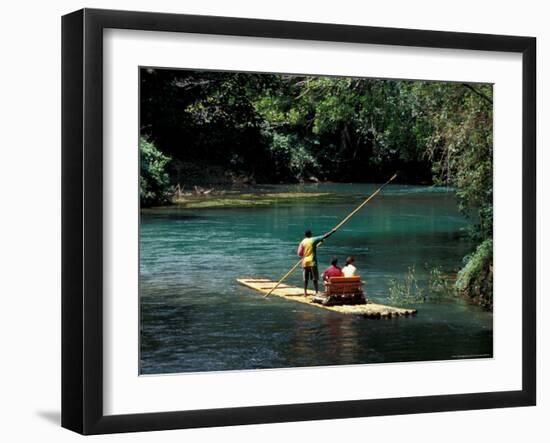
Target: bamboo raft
column 294, row 293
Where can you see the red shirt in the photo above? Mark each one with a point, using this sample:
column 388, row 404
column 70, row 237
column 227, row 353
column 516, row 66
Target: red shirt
column 332, row 271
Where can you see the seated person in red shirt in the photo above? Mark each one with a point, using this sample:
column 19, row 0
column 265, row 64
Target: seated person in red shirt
column 332, row 271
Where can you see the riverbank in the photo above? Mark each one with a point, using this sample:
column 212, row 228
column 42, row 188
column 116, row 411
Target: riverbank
column 228, row 199
column 199, row 197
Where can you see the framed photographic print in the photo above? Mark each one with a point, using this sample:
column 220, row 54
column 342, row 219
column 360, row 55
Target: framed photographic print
column 269, row 221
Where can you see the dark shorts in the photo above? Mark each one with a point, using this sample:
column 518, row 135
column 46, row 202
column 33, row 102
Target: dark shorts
column 311, row 273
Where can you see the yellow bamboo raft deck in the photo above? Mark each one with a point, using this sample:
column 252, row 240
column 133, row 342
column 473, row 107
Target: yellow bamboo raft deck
column 370, row 310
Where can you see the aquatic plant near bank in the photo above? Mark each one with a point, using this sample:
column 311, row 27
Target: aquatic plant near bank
column 410, row 290
column 406, row 291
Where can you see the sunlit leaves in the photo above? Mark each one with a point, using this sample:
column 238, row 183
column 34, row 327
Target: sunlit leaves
column 153, row 180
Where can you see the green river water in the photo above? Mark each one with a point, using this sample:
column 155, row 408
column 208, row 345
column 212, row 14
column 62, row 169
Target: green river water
column 196, row 317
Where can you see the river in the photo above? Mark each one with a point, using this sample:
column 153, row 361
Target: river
column 196, row 317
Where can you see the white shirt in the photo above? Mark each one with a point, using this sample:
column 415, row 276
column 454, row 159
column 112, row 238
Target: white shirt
column 349, row 271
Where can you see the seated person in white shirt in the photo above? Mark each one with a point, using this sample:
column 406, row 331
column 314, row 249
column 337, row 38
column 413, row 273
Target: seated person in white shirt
column 350, row 270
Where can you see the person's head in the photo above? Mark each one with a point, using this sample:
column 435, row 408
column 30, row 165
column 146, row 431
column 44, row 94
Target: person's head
column 333, row 261
column 350, row 260
column 308, row 233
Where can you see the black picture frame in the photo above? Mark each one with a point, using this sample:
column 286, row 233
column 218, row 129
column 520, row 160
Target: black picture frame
column 82, row 218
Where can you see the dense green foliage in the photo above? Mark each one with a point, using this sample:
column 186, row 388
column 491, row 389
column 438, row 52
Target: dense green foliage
column 459, row 143
column 475, row 279
column 224, row 127
column 458, row 139
column 205, row 121
column 273, row 128
column 154, row 182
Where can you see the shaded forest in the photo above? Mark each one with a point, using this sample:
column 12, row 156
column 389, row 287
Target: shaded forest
column 225, row 128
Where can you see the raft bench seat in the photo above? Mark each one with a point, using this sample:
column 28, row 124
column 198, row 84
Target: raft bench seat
column 343, row 285
column 342, row 291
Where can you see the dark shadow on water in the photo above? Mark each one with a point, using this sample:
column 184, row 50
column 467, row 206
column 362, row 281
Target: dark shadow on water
column 54, row 417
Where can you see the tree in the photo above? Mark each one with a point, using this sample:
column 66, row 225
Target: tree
column 154, row 182
column 458, row 135
column 206, row 118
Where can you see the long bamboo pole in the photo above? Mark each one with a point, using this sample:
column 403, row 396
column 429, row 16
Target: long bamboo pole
column 338, row 226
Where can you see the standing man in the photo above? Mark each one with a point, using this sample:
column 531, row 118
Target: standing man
column 308, row 251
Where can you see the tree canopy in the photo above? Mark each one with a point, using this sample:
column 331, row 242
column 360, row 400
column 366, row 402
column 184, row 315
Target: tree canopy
column 286, row 128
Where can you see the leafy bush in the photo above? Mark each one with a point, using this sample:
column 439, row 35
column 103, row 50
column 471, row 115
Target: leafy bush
column 475, row 279
column 289, row 153
column 154, row 182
